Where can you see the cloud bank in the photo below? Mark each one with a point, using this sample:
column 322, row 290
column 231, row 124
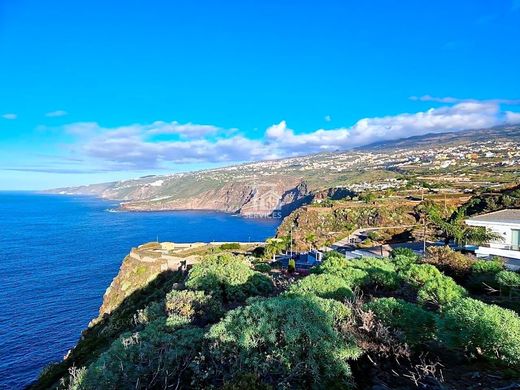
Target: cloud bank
column 160, row 144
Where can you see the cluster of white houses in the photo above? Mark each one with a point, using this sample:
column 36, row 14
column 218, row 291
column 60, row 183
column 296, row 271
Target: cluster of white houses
column 506, row 223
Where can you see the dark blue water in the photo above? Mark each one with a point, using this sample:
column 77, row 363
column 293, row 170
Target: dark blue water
column 58, row 254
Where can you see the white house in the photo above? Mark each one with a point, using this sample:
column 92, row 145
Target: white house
column 507, row 224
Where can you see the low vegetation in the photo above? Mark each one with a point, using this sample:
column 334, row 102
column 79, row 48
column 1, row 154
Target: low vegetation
column 400, row 322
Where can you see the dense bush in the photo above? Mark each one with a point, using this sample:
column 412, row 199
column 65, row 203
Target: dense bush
column 287, row 341
column 158, row 356
column 193, row 305
column 149, row 313
column 418, row 274
column 380, row 272
column 416, row 324
column 487, row 266
column 262, row 267
column 338, row 265
column 448, row 260
column 324, row 286
column 482, row 330
column 367, row 271
column 440, row 291
column 402, row 262
column 508, row 279
column 406, row 252
column 229, row 277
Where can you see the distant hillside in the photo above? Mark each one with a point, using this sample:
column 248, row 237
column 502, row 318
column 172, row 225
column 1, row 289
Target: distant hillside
column 462, row 159
column 509, row 133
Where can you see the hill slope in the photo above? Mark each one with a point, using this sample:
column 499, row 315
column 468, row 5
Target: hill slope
column 461, row 158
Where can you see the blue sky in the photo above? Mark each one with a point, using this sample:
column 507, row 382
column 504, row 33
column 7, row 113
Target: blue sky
column 95, row 91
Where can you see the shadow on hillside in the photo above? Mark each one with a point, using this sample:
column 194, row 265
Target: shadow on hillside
column 98, row 338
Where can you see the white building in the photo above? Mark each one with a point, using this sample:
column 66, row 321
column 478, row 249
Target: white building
column 507, row 224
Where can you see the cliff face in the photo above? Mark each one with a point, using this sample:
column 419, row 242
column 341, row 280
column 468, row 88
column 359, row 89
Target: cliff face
column 247, row 199
column 141, row 266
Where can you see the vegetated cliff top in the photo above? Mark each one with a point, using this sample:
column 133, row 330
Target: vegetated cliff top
column 485, row 154
column 235, row 322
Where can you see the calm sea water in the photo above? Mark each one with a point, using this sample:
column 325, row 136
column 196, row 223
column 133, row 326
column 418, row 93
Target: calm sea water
column 58, row 254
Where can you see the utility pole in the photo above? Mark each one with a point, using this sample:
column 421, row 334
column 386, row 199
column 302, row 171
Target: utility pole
column 424, row 235
column 291, row 240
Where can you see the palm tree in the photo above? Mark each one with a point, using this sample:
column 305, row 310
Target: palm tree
column 479, row 235
column 454, row 227
column 276, row 245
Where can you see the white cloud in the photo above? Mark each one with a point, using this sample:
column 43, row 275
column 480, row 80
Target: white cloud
column 9, row 116
column 188, row 130
column 55, row 114
column 137, row 146
column 461, row 116
column 512, row 118
column 453, row 100
column 327, row 118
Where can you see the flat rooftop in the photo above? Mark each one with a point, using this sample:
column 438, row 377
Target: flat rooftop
column 502, row 216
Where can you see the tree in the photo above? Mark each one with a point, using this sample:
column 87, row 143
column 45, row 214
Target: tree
column 276, row 245
column 454, row 227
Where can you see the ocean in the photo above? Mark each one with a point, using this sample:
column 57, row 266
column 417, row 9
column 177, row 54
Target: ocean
column 58, row 254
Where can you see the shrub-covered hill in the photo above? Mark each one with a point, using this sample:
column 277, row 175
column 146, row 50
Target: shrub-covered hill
column 396, row 323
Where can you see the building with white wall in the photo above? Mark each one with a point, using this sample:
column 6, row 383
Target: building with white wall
column 506, row 223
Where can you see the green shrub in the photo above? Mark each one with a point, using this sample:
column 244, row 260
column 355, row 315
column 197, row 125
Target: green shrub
column 157, row 357
column 402, row 262
column 508, row 279
column 366, row 243
column 291, row 266
column 419, row 274
column 288, row 341
column 365, row 271
column 324, row 286
column 193, row 305
column 482, row 330
column 333, row 254
column 405, row 252
column 262, row 267
column 332, row 264
column 229, row 277
column 487, row 266
column 416, row 324
column 440, row 291
column 230, row 245
column 151, row 312
column 380, row 272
